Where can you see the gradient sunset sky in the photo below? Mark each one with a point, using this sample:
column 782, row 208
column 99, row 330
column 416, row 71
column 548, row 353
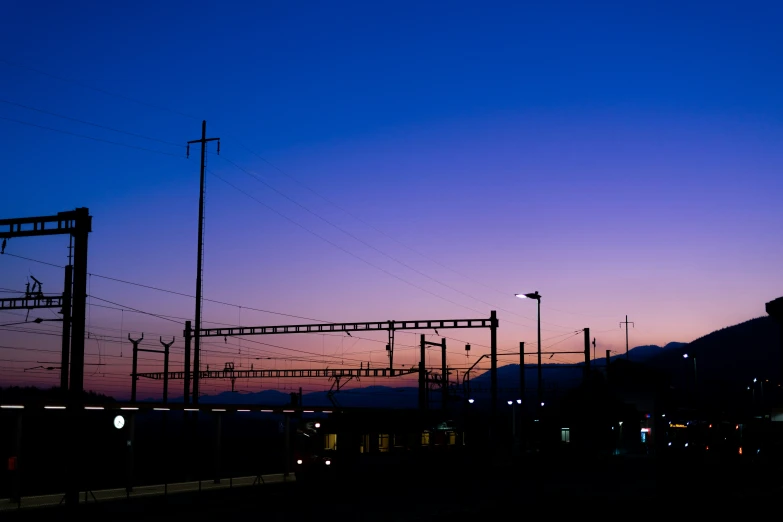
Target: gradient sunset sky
column 391, row 160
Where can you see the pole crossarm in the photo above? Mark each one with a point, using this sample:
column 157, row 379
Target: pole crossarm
column 30, row 302
column 62, row 223
column 290, row 373
column 345, row 327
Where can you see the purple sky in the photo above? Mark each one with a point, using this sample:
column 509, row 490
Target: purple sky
column 397, row 162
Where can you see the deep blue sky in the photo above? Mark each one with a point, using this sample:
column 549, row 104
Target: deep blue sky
column 621, row 159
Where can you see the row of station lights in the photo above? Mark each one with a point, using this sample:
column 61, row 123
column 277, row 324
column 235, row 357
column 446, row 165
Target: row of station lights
column 134, row 408
column 510, row 403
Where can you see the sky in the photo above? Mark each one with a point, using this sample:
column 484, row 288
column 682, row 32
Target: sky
column 390, row 161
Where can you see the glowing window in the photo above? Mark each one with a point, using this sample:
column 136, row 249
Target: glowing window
column 565, row 435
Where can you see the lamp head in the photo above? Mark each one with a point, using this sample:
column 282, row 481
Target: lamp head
column 535, row 295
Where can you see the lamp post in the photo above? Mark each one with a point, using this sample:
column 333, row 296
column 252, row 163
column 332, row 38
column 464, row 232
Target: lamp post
column 535, row 295
column 514, row 441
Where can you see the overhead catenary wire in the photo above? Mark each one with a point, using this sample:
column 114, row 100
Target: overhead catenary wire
column 85, row 136
column 365, row 243
column 85, row 122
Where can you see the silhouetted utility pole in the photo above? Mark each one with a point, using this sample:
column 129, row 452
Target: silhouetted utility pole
column 423, row 399
column 188, row 333
column 135, row 364
column 65, row 356
column 493, row 358
column 587, row 354
column 166, row 347
column 445, row 371
column 522, row 370
column 422, row 375
column 203, row 141
column 626, row 323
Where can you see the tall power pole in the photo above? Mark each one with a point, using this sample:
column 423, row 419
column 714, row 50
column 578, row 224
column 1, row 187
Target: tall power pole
column 626, row 323
column 197, row 348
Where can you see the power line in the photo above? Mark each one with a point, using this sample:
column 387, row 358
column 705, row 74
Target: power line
column 338, row 246
column 365, row 242
column 96, row 89
column 134, row 309
column 88, row 137
column 28, row 107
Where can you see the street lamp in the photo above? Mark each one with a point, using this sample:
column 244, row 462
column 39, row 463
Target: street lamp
column 514, row 443
column 535, row 295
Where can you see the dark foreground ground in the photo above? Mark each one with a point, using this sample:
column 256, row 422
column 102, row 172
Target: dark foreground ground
column 609, row 488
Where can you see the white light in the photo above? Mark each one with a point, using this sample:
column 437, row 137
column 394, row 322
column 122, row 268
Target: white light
column 471, row 401
column 160, row 409
column 54, row 407
column 542, row 404
column 685, row 356
column 242, row 410
column 686, row 444
column 519, row 401
column 621, row 423
column 266, row 411
column 317, row 424
column 308, row 411
column 327, row 411
column 299, row 461
column 664, row 415
column 218, row 409
column 129, row 409
column 670, row 444
column 93, row 407
column 12, row 407
column 191, row 409
column 119, row 422
column 521, row 296
column 754, row 379
column 328, row 462
column 510, row 403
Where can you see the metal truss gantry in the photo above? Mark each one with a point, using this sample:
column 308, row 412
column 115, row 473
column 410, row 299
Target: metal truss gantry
column 388, row 326
column 78, row 224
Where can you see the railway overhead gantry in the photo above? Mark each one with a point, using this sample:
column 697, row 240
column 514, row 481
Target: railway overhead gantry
column 389, row 326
